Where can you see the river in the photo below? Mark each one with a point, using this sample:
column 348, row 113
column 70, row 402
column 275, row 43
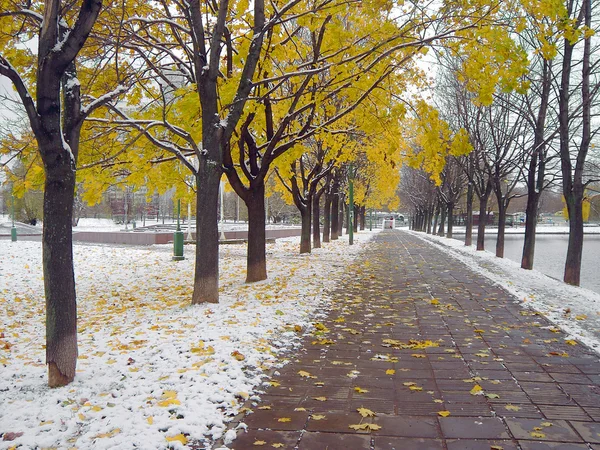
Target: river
column 550, row 254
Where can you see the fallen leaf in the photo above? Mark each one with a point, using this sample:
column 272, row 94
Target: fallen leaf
column 237, row 355
column 304, row 374
column 580, row 317
column 320, row 399
column 259, row 443
column 537, row 435
column 477, row 390
column 510, row 407
column 444, row 413
column 570, row 342
column 390, row 372
column 317, row 417
column 492, row 395
column 177, row 438
column 296, row 409
column 264, row 407
column 278, row 445
column 365, row 426
column 366, row 412
column 360, row 390
column 284, row 419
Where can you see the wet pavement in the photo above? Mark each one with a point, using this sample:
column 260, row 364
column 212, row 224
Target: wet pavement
column 419, row 352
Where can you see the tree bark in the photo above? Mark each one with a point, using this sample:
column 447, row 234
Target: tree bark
column 59, row 279
column 335, row 216
column 362, row 213
column 305, row 214
column 469, row 218
column 316, row 211
column 341, row 217
column 575, row 248
column 327, row 225
column 256, row 257
column 440, row 231
column 482, row 222
column 501, row 229
column 450, row 219
column 206, row 276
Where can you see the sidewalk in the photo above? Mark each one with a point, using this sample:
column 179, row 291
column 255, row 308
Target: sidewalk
column 440, row 356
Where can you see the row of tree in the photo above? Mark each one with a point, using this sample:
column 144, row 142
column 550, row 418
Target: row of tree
column 181, row 93
column 539, row 137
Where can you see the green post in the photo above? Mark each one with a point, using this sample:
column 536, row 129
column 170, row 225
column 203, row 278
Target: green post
column 371, row 220
column 13, row 229
column 351, row 205
column 178, row 238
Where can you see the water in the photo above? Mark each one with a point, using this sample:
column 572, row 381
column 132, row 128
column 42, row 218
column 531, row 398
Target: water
column 550, row 255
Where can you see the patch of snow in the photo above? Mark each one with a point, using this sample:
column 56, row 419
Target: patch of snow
column 150, row 365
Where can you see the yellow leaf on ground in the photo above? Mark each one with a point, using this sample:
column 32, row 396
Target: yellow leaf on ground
column 177, row 438
column 274, row 383
column 150, row 420
column 169, row 402
column 109, row 434
column 317, row 417
column 284, row 419
column 259, row 443
column 570, row 342
column 366, row 412
column 278, row 445
column 444, row 413
column 537, row 435
column 417, row 355
column 365, row 426
column 304, row 374
column 264, row 407
column 581, row 317
column 360, row 390
column 415, row 388
column 510, row 407
column 320, row 399
column 477, row 390
column 390, row 372
column 296, row 409
column 409, row 383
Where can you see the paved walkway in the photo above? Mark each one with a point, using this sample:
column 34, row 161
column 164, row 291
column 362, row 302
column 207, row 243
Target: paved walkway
column 415, row 336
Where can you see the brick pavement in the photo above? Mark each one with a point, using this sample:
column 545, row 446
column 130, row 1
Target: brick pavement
column 413, row 335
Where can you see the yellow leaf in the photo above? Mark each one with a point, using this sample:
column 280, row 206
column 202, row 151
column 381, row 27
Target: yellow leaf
column 177, row 438
column 437, row 400
column 259, row 443
column 278, row 445
column 360, row 390
column 546, row 424
column 510, row 407
column 492, row 395
column 417, row 355
column 169, row 402
column 581, row 317
column 264, row 407
column 150, row 420
column 444, row 413
column 479, row 331
column 109, row 434
column 537, row 434
column 390, row 372
column 296, row 409
column 365, row 426
column 317, row 417
column 409, row 383
column 320, row 399
column 238, row 356
column 366, row 412
column 274, row 383
column 496, row 447
column 80, row 415
column 570, row 342
column 477, row 390
column 96, row 408
column 284, row 419
column 415, row 388
column 435, row 301
column 304, row 374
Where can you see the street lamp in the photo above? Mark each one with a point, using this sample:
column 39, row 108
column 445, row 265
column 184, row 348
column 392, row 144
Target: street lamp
column 13, row 230
column 351, row 204
column 221, row 189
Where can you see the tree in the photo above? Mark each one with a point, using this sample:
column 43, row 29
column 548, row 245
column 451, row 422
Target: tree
column 56, row 117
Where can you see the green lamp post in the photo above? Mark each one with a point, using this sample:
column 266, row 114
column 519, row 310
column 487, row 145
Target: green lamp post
column 178, row 238
column 351, row 205
column 13, row 229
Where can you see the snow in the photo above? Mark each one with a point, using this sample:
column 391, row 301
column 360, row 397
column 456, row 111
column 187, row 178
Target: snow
column 573, row 309
column 151, row 366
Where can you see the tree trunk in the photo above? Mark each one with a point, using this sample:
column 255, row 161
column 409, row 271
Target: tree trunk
column 327, row 226
column 428, row 214
column 335, row 216
column 440, row 231
column 362, row 213
column 316, row 213
column 341, row 218
column 206, row 277
column 59, row 279
column 436, row 217
column 450, row 219
column 575, row 248
column 256, row 269
column 305, row 214
column 469, row 218
column 501, row 229
column 482, row 222
column 355, row 218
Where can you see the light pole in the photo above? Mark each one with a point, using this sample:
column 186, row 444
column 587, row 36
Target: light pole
column 13, row 229
column 221, row 189
column 351, row 205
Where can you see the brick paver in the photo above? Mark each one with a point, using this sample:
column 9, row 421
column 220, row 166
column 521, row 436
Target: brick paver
column 507, row 378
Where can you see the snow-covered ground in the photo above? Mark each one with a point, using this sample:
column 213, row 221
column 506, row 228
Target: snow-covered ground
column 540, row 229
column 153, row 371
column 574, row 309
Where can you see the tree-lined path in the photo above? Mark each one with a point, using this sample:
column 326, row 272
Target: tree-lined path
column 419, row 352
